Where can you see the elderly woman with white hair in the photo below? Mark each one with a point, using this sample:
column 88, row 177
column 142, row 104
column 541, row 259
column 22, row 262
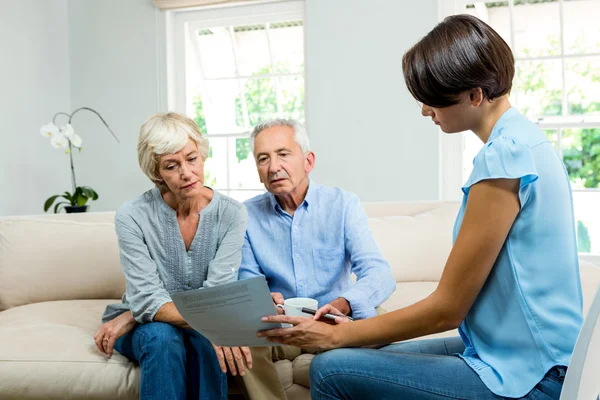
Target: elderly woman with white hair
column 178, row 236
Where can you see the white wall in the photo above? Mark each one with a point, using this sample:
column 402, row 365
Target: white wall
column 67, row 54
column 364, row 126
column 34, row 77
column 114, row 70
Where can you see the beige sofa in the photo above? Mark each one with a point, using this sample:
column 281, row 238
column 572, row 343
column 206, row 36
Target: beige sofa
column 58, row 272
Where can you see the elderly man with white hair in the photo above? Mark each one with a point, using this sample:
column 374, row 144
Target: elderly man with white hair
column 307, row 240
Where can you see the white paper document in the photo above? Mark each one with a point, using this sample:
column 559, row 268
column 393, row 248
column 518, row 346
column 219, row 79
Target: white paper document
column 229, row 315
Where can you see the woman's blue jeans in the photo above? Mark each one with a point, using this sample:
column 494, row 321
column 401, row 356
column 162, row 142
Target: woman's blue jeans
column 175, row 363
column 415, row 370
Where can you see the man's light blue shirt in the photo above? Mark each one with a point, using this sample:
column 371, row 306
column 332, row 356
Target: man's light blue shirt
column 313, row 253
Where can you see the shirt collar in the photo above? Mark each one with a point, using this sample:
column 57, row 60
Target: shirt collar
column 499, row 126
column 310, row 196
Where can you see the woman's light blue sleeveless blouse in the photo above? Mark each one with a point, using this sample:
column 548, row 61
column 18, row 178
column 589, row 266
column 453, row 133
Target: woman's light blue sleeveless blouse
column 528, row 315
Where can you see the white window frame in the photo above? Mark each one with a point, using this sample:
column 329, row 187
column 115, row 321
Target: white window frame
column 180, row 23
column 452, row 146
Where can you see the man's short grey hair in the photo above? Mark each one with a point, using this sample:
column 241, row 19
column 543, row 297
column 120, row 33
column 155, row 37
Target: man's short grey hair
column 300, row 135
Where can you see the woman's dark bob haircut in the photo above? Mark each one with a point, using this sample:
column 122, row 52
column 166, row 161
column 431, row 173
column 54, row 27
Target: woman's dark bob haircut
column 459, row 54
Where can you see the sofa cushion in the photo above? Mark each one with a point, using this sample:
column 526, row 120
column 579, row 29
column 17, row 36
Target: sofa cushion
column 46, row 260
column 416, row 246
column 408, row 293
column 47, row 351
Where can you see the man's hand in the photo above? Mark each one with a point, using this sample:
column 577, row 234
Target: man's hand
column 232, row 357
column 108, row 333
column 277, row 299
column 342, row 305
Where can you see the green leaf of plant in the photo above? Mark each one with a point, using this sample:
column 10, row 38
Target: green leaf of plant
column 57, row 205
column 89, row 192
column 81, row 200
column 49, row 202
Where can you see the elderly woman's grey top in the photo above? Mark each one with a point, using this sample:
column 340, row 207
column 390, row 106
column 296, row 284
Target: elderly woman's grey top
column 154, row 258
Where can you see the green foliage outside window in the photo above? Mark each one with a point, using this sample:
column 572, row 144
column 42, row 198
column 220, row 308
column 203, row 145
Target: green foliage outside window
column 261, row 103
column 582, row 157
column 584, row 243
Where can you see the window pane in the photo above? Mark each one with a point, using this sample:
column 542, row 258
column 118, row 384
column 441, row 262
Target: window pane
column 292, row 93
column 552, row 136
column 287, row 46
column 218, row 104
column 244, row 195
column 215, row 52
column 537, row 28
column 225, row 95
column 252, row 50
column 243, row 174
column 538, row 88
column 581, row 26
column 261, row 99
column 583, row 85
column 215, row 167
column 587, row 218
column 581, row 154
column 495, row 14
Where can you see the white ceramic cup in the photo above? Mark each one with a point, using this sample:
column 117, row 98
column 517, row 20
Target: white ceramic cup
column 293, row 307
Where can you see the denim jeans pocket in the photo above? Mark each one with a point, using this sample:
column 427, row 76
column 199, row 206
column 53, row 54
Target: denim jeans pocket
column 557, row 374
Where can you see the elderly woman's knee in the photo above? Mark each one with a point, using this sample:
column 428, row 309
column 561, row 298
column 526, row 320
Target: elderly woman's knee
column 161, row 336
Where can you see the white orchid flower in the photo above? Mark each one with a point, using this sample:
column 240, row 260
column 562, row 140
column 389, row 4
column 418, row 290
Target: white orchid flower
column 76, row 140
column 59, row 140
column 49, row 130
column 68, row 131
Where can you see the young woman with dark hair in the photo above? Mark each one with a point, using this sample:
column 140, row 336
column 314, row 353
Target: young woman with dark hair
column 511, row 283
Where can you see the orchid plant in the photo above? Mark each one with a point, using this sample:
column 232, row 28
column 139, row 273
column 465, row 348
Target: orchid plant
column 66, row 138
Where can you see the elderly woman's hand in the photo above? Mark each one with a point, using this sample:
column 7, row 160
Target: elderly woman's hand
column 232, row 356
column 108, row 333
column 306, row 333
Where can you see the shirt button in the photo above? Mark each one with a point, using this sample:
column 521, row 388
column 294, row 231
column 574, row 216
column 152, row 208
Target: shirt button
column 295, row 228
column 297, row 255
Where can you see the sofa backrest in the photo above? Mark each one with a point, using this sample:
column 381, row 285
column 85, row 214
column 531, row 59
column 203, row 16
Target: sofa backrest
column 75, row 256
column 415, row 238
column 58, row 257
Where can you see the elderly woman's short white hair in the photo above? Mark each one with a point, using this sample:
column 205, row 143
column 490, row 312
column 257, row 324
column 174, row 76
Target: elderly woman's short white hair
column 166, row 133
column 300, row 135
